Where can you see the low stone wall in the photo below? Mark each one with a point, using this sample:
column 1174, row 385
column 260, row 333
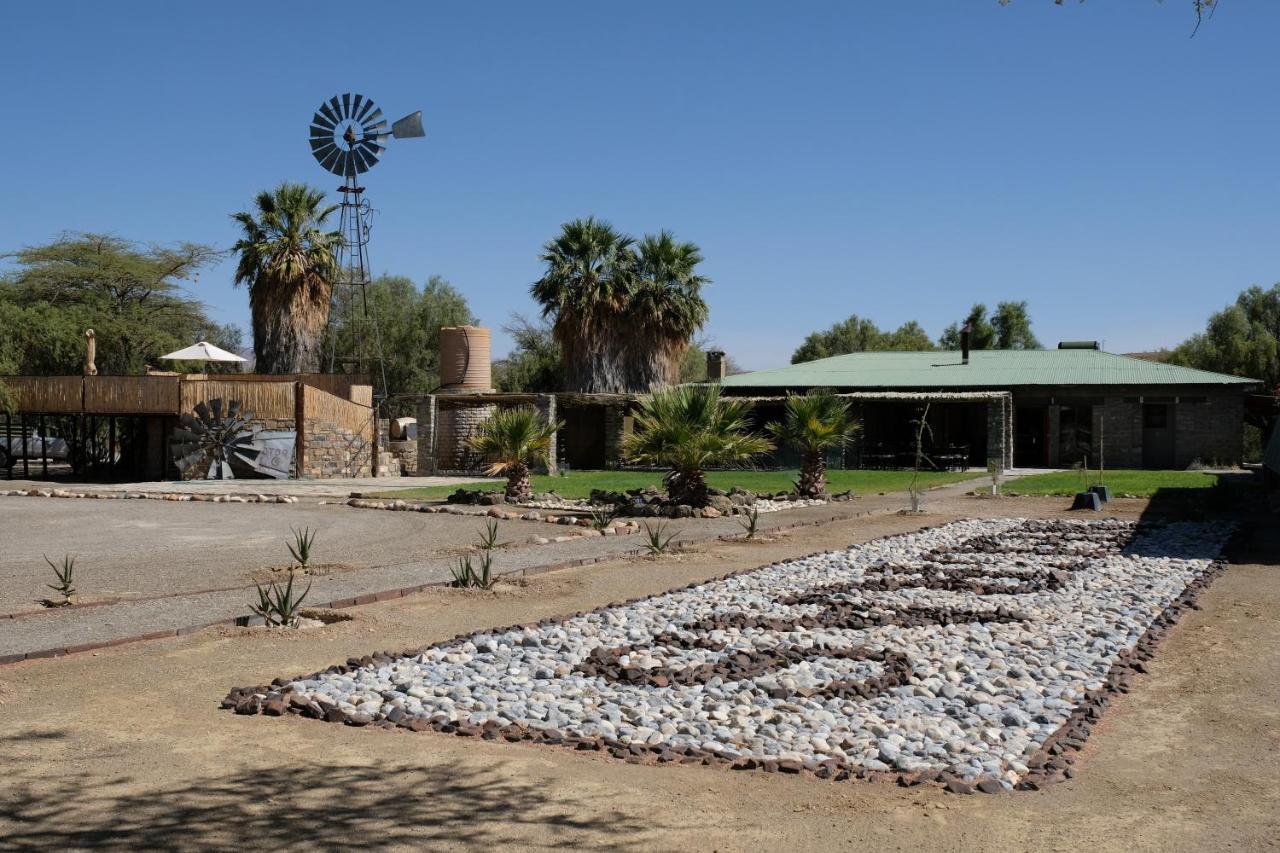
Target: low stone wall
column 335, row 451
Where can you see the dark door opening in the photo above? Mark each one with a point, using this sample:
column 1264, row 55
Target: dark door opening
column 581, row 440
column 1157, row 435
column 1030, row 438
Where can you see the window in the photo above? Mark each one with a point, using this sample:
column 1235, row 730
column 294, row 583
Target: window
column 1155, row 416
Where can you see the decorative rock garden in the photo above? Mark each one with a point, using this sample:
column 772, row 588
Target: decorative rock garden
column 653, row 503
column 976, row 655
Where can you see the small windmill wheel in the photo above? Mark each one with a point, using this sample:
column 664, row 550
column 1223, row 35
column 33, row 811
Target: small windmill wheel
column 348, row 130
column 210, row 436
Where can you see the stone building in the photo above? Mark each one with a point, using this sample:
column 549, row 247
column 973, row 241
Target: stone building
column 1048, row 408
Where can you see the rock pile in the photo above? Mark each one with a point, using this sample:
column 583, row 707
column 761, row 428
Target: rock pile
column 976, row 655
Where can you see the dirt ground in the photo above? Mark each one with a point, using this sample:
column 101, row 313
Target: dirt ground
column 127, row 749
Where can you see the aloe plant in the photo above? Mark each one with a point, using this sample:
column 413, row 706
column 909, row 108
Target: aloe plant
column 659, row 539
column 465, row 574
column 603, row 516
column 279, row 605
column 749, row 521
column 300, row 548
column 64, row 575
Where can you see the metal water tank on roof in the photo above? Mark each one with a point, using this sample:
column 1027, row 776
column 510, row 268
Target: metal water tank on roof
column 465, row 363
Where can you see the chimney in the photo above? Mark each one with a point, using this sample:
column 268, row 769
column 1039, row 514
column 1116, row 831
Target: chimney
column 717, row 365
column 964, row 343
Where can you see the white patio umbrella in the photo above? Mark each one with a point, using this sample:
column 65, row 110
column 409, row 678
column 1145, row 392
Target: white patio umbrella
column 203, row 351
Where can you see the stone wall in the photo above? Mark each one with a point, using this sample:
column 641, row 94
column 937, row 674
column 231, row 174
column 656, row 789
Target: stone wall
column 615, row 423
column 1211, row 431
column 331, row 450
column 1208, row 423
column 454, row 427
column 1000, row 431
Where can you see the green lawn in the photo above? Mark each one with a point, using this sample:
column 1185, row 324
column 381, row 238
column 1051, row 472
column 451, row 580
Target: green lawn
column 1143, row 484
column 578, row 484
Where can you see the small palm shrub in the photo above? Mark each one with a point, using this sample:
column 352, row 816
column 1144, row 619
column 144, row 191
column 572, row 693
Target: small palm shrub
column 64, row 574
column 815, row 423
column 689, row 428
column 510, row 441
column 658, row 538
column 279, row 605
column 300, row 548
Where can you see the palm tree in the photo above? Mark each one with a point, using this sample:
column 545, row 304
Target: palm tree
column 586, row 287
column 815, row 423
column 511, row 440
column 666, row 309
column 689, row 428
column 288, row 261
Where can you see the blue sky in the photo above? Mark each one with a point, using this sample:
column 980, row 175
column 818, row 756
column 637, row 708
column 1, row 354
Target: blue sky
column 897, row 160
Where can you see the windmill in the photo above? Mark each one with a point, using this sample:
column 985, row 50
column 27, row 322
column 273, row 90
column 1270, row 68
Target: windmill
column 347, row 136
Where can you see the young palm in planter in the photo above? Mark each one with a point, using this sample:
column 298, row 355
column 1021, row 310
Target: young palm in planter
column 512, row 440
column 815, row 423
column 688, row 429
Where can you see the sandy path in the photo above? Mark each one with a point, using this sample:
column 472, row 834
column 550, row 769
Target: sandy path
column 127, row 749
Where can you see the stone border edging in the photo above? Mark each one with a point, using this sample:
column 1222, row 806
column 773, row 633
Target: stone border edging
column 1053, row 762
column 181, row 497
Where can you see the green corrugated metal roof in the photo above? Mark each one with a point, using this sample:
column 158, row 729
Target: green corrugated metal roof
column 986, row 369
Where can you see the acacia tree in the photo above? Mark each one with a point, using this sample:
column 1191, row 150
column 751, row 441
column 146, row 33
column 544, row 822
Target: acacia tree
column 859, row 334
column 288, row 261
column 1242, row 339
column 1008, row 328
column 133, row 295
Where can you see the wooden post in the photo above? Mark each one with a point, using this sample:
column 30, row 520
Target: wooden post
column 22, row 430
column 8, row 443
column 300, row 436
column 44, row 449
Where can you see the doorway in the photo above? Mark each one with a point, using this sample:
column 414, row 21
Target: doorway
column 1157, row 435
column 1030, row 437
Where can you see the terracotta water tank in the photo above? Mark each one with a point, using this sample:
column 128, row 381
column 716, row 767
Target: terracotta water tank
column 465, row 363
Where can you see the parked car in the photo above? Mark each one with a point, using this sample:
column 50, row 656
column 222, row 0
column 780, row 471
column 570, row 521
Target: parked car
column 33, row 447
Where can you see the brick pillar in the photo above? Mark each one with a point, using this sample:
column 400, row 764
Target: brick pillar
column 546, row 406
column 427, row 436
column 717, row 365
column 614, row 428
column 1000, row 430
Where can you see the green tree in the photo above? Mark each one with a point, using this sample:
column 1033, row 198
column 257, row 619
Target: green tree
column 982, row 334
column 859, row 334
column 589, row 277
column 130, row 294
column 909, row 337
column 1012, row 326
column 813, row 424
column 693, row 364
column 665, row 310
column 288, row 261
column 534, row 364
column 408, row 319
column 688, row 429
column 511, row 440
column 623, row 313
column 1243, row 339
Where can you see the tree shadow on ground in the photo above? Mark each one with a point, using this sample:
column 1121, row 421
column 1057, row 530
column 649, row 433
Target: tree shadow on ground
column 308, row 804
column 1236, row 498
